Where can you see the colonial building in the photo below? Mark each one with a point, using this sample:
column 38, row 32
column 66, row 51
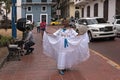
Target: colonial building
column 99, row 8
column 68, row 9
column 37, row 10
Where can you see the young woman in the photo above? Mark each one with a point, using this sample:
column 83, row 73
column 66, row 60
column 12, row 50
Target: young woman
column 42, row 27
column 66, row 47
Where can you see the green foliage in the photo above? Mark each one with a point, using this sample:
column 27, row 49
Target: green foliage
column 7, row 5
column 4, row 40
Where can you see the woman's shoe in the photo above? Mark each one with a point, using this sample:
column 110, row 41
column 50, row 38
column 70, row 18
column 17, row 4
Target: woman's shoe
column 61, row 72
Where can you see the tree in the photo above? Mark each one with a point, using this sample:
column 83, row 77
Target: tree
column 7, row 8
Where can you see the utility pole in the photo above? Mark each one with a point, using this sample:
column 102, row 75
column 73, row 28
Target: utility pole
column 14, row 17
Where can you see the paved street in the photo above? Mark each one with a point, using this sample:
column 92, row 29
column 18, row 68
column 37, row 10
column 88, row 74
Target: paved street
column 37, row 66
column 108, row 48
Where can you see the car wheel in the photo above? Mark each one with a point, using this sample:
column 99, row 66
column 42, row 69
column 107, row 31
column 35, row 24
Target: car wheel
column 53, row 24
column 90, row 36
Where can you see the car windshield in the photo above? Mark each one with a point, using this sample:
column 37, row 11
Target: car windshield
column 92, row 21
column 101, row 20
column 118, row 22
column 96, row 21
column 117, row 17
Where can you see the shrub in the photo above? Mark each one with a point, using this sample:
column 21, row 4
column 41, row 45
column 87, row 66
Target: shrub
column 4, row 40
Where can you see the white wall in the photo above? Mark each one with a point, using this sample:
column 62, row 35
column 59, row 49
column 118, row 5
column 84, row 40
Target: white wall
column 19, row 13
column 112, row 8
column 100, row 9
column 18, row 4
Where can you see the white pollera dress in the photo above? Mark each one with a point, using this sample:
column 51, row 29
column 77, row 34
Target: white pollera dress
column 66, row 47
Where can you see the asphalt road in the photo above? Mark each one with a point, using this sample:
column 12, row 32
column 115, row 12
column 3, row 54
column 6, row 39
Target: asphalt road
column 108, row 48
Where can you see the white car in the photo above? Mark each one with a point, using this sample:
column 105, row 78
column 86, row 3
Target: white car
column 98, row 28
column 117, row 25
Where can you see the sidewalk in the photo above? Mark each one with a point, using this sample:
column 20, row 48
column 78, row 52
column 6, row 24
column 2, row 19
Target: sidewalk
column 37, row 66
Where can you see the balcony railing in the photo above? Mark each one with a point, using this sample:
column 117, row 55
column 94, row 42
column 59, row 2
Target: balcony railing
column 71, row 1
column 82, row 2
column 28, row 0
column 37, row 3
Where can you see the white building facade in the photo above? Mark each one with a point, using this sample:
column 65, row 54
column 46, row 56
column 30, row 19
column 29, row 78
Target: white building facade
column 18, row 5
column 99, row 8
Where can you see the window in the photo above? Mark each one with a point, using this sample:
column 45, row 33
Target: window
column 28, row 0
column 77, row 14
column 118, row 22
column 106, row 5
column 88, row 11
column 96, row 10
column 43, row 17
column 44, row 8
column 43, row 0
column 29, row 8
column 76, row 7
column 29, row 17
column 82, row 12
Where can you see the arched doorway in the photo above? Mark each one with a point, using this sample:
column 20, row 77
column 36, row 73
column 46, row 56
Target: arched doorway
column 77, row 14
column 105, row 9
column 88, row 11
column 96, row 10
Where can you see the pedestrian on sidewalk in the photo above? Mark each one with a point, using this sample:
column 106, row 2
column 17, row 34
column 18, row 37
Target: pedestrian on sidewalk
column 42, row 27
column 63, row 21
column 38, row 26
column 66, row 47
column 29, row 41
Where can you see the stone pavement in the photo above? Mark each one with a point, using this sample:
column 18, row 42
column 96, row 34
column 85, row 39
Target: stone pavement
column 37, row 66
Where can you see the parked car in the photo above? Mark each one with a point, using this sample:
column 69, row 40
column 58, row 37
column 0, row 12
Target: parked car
column 117, row 25
column 55, row 22
column 116, row 17
column 98, row 28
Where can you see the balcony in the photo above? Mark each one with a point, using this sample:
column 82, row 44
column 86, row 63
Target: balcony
column 71, row 1
column 38, row 3
column 83, row 2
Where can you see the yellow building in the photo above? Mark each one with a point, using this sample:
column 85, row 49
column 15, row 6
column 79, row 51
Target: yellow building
column 68, row 9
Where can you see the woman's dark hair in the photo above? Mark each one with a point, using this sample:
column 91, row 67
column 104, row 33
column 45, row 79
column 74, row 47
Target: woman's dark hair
column 66, row 23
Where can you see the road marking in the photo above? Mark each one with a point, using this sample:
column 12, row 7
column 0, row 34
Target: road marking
column 109, row 61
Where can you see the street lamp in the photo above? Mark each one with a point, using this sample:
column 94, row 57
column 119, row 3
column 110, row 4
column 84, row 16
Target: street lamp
column 14, row 14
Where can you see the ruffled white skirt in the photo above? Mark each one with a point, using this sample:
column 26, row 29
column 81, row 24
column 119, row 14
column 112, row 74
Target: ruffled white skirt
column 76, row 52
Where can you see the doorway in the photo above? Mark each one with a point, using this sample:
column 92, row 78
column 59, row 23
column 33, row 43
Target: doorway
column 44, row 17
column 29, row 17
